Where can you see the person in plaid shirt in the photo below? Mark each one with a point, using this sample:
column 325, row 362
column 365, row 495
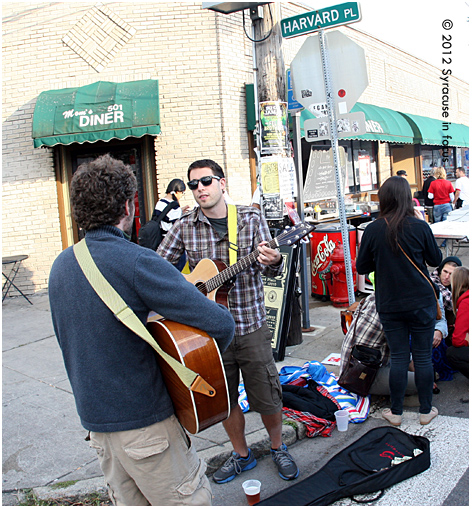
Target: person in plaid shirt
column 203, row 233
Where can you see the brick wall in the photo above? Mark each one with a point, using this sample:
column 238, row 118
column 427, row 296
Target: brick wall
column 202, row 61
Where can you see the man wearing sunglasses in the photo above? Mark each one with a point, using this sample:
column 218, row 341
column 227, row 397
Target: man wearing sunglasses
column 203, row 233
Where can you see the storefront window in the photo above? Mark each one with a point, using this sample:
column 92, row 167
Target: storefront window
column 364, row 166
column 361, row 163
column 436, row 156
column 462, row 157
column 430, row 158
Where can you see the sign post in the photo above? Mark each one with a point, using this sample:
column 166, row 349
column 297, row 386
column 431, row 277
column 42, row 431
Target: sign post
column 348, row 86
column 337, row 166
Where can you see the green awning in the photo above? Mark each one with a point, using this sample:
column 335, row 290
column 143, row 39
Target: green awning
column 382, row 124
column 100, row 111
column 429, row 131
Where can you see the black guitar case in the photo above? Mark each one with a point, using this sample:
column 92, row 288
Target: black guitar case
column 368, row 465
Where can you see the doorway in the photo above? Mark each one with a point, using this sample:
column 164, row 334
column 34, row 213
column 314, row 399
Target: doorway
column 134, row 152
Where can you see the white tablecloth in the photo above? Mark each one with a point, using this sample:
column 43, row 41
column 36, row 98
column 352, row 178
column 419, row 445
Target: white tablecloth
column 456, row 226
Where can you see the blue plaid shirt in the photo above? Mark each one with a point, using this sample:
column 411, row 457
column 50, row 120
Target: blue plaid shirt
column 194, row 234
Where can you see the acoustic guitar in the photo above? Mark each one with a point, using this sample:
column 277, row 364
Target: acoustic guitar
column 198, row 351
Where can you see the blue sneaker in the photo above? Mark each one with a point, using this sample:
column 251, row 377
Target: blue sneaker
column 287, row 467
column 233, row 466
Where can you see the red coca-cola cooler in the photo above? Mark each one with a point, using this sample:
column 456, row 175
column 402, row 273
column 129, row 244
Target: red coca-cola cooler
column 363, row 282
column 323, row 242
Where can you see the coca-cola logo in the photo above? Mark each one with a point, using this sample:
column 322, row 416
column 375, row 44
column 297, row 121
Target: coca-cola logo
column 323, row 252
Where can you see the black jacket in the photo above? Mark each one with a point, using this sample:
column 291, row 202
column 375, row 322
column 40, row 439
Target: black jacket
column 428, row 202
column 398, row 284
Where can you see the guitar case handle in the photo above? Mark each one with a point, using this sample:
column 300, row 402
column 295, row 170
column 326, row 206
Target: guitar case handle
column 203, row 387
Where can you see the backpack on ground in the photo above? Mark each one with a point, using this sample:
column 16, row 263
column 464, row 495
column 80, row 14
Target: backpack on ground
column 150, row 235
column 382, row 457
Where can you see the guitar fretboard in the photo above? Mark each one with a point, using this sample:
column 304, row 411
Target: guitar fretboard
column 288, row 237
column 228, row 273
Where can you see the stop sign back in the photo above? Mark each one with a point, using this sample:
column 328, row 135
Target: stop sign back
column 348, row 72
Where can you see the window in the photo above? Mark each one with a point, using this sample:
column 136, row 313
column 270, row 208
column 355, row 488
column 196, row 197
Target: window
column 361, row 166
column 435, row 156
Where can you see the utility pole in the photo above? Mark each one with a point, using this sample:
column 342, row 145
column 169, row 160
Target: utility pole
column 271, row 86
column 269, row 56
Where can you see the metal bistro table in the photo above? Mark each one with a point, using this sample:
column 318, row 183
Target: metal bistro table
column 16, row 261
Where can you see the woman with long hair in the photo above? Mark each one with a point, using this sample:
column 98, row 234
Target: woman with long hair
column 458, row 353
column 404, row 297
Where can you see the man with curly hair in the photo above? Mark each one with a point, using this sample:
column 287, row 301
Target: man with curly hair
column 145, row 454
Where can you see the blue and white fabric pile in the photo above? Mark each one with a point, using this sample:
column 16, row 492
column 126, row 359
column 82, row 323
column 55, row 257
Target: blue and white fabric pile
column 357, row 406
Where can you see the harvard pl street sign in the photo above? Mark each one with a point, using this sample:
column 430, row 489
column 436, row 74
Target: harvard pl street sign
column 329, row 17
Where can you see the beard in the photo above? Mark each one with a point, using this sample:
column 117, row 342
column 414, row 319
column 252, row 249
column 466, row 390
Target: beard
column 128, row 224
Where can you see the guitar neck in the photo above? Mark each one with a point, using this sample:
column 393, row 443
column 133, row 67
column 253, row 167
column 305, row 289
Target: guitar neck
column 228, row 273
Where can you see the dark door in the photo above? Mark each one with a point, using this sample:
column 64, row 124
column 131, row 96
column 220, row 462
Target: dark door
column 130, row 155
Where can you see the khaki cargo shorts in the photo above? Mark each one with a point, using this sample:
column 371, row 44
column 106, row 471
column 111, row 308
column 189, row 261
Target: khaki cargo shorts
column 251, row 355
column 156, row 465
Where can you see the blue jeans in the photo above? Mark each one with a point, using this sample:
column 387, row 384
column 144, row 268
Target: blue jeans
column 440, row 212
column 398, row 327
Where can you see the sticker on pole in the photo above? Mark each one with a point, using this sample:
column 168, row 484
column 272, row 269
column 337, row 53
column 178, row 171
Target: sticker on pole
column 351, row 124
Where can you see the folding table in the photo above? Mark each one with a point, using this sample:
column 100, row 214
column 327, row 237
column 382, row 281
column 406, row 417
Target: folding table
column 15, row 261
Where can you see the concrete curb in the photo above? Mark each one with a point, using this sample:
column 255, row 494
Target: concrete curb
column 214, row 456
column 78, row 489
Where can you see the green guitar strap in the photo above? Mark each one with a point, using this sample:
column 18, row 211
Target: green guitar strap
column 233, row 233
column 126, row 315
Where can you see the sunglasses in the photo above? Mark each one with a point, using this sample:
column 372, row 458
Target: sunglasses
column 206, row 181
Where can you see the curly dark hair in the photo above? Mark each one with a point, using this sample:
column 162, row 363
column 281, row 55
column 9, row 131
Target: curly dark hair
column 99, row 191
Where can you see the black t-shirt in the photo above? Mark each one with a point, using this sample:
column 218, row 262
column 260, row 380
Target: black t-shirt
column 220, row 225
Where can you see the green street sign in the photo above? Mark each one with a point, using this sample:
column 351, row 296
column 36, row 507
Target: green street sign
column 342, row 14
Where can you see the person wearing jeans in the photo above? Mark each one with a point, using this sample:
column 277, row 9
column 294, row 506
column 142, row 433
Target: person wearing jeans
column 442, row 194
column 397, row 326
column 404, row 295
column 441, row 212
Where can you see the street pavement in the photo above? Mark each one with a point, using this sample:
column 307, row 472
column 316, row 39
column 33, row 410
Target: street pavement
column 43, row 440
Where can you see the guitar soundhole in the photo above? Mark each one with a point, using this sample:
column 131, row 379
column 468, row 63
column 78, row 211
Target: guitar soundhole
column 201, row 286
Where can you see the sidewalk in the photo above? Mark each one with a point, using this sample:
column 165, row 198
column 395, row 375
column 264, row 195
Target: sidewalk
column 43, row 440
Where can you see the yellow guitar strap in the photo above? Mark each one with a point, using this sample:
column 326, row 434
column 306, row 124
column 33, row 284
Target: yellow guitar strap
column 233, row 233
column 126, row 315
